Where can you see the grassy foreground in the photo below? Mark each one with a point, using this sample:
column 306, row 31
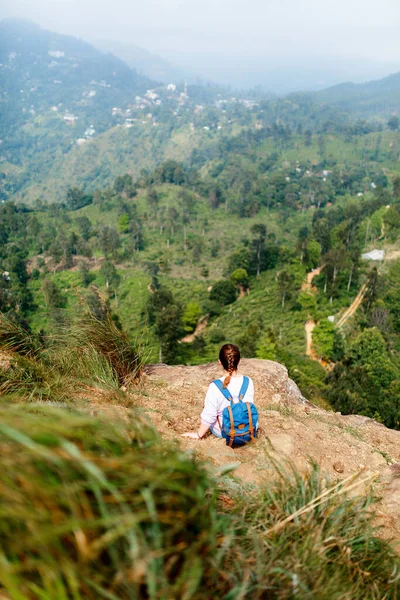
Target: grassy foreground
column 95, row 508
column 91, row 509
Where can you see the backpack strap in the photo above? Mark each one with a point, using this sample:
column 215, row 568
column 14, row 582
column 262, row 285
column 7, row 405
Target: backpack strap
column 232, row 429
column 244, row 387
column 223, row 390
column 251, row 427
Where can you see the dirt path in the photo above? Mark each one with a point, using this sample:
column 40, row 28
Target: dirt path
column 201, row 325
column 353, row 306
column 310, row 323
column 309, row 327
column 307, row 285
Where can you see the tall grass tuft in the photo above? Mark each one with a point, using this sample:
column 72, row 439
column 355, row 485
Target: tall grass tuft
column 89, row 510
column 97, row 333
column 14, row 338
column 93, row 351
column 92, row 510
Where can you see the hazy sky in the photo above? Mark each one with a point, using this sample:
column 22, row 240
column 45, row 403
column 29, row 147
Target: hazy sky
column 199, row 32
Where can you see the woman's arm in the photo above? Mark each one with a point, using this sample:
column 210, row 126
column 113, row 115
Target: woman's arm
column 208, row 415
column 197, row 435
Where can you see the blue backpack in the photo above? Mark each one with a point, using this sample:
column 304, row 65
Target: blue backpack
column 239, row 419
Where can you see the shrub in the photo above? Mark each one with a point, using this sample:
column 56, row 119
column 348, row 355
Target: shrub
column 191, row 315
column 223, row 292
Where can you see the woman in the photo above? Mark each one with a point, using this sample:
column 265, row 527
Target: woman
column 215, row 401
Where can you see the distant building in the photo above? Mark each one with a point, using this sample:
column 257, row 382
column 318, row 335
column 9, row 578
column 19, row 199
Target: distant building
column 89, row 132
column 56, row 53
column 171, row 87
column 151, row 95
column 70, row 118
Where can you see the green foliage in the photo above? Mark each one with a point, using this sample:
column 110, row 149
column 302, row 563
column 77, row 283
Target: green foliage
column 394, row 123
column 16, row 337
column 166, row 315
column 191, row 315
column 123, row 223
column 323, row 339
column 223, row 292
column 240, row 278
column 308, row 302
column 54, row 298
column 366, row 381
column 110, row 274
column 267, row 347
column 101, row 334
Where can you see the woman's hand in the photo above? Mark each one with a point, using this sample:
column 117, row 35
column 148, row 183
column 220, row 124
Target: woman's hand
column 191, row 434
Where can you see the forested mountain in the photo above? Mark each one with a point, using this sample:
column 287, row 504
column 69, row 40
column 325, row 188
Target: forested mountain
column 55, row 90
column 374, row 98
column 145, row 62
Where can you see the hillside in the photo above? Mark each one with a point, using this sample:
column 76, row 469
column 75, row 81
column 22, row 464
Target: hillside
column 380, row 98
column 150, row 65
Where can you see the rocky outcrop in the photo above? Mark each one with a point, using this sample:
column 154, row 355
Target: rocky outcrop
column 292, row 430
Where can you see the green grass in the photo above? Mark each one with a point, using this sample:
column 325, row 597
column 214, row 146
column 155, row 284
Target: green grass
column 93, row 509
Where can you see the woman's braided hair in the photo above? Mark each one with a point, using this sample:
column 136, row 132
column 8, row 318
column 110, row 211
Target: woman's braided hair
column 229, row 355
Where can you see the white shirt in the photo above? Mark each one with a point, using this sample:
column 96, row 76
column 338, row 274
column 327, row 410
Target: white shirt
column 215, row 401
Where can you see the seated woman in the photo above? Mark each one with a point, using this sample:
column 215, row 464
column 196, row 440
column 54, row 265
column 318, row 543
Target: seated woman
column 215, row 401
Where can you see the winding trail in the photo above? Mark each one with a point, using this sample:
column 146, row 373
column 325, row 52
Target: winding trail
column 307, row 285
column 310, row 323
column 201, row 325
column 309, row 327
column 353, row 306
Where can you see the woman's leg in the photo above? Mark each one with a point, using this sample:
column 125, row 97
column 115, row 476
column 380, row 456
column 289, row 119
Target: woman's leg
column 216, row 431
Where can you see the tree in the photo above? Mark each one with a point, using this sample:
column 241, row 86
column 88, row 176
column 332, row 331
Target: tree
column 153, row 199
column 366, row 381
column 248, row 341
column 259, row 233
column 394, row 123
column 168, row 327
column 84, row 273
column 266, row 347
column 53, row 297
column 109, row 240
column 223, row 292
column 335, row 260
column 396, row 188
column 307, row 301
column 323, row 339
column 239, row 259
column 285, row 285
column 124, row 185
column 123, row 223
column 84, row 226
column 240, row 278
column 191, row 315
column 74, row 198
column 166, row 316
column 204, row 271
column 313, row 253
column 110, row 274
